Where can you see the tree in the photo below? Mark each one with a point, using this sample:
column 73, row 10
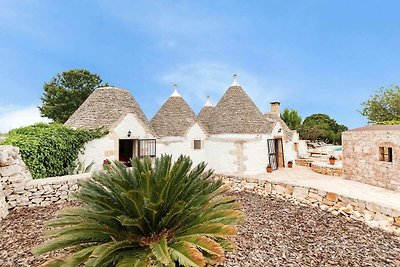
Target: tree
column 320, row 127
column 383, row 106
column 291, row 118
column 66, row 92
column 166, row 215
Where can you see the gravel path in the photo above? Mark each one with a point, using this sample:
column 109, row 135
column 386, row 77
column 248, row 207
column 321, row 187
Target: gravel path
column 275, row 233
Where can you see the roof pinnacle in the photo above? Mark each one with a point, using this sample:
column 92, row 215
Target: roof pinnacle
column 208, row 102
column 235, row 82
column 175, row 93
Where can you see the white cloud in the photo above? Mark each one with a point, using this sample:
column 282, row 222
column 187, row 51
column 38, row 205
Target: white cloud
column 13, row 117
column 199, row 80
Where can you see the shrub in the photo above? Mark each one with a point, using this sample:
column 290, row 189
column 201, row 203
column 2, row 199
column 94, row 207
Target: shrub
column 166, row 215
column 49, row 149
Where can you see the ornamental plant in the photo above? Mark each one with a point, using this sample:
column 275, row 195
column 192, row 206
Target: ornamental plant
column 167, row 215
column 50, row 149
column 106, row 164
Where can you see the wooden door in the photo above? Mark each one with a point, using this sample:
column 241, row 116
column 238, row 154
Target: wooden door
column 272, row 155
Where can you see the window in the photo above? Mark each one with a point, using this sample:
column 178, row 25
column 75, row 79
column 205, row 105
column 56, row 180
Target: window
column 386, row 154
column 197, row 144
column 147, row 148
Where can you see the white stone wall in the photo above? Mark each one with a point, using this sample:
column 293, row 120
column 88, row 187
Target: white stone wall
column 235, row 154
column 220, row 156
column 98, row 150
column 361, row 158
column 107, row 147
column 177, row 146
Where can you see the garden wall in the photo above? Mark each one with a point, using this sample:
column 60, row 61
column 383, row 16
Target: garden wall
column 372, row 214
column 18, row 189
column 326, row 169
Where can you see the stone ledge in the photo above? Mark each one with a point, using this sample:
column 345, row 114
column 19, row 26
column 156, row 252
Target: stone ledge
column 372, row 214
column 43, row 192
column 326, row 169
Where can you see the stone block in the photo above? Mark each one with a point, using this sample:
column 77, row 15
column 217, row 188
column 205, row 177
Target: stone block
column 249, row 186
column 300, row 192
column 372, row 207
column 314, row 196
column 37, row 200
column 332, row 197
column 279, row 189
column 268, row 187
column 327, row 202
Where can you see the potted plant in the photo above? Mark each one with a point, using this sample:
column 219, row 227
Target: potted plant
column 269, row 168
column 106, row 164
column 290, row 164
column 332, row 160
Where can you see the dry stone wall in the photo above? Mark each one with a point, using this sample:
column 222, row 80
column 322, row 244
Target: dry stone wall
column 13, row 174
column 326, row 169
column 18, row 189
column 361, row 158
column 374, row 215
column 43, row 192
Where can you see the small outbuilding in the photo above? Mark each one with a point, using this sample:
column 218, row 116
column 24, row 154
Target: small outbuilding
column 371, row 155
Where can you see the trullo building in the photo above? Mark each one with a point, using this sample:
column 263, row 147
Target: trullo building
column 234, row 137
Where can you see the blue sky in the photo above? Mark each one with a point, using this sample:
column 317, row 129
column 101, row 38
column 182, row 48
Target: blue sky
column 313, row 56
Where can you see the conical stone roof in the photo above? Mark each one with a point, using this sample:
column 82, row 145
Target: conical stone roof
column 174, row 118
column 236, row 113
column 104, row 107
column 205, row 113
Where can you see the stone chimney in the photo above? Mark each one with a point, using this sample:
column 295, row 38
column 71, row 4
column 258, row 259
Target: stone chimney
column 276, row 107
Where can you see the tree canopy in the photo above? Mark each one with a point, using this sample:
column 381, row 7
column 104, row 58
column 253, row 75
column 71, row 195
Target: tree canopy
column 320, row 127
column 383, row 106
column 66, row 92
column 291, row 118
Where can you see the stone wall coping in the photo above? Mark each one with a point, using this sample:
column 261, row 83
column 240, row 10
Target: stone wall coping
column 321, row 164
column 59, row 179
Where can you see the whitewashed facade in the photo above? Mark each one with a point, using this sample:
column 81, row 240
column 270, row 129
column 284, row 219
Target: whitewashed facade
column 239, row 149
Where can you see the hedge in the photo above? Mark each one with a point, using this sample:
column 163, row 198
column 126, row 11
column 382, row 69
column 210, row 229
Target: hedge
column 49, row 149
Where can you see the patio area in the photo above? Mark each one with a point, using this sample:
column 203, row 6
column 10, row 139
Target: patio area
column 304, row 176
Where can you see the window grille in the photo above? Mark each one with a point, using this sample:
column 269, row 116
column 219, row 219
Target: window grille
column 386, row 154
column 147, row 148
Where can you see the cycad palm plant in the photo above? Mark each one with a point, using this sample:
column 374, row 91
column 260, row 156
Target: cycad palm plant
column 166, row 215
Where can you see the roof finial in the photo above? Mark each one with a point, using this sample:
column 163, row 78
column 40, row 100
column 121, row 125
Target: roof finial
column 208, row 102
column 235, row 83
column 175, row 93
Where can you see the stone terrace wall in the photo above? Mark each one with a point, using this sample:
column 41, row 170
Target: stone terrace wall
column 372, row 214
column 42, row 192
column 13, row 173
column 326, row 168
column 18, row 189
column 361, row 158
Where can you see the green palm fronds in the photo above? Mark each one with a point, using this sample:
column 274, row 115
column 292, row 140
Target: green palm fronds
column 169, row 214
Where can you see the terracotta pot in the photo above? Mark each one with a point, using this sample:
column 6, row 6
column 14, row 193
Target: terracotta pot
column 290, row 164
column 332, row 161
column 269, row 169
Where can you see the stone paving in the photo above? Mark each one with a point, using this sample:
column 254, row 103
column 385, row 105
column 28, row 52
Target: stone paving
column 303, row 176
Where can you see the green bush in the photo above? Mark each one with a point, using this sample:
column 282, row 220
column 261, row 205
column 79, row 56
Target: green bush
column 50, row 149
column 387, row 123
column 166, row 214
